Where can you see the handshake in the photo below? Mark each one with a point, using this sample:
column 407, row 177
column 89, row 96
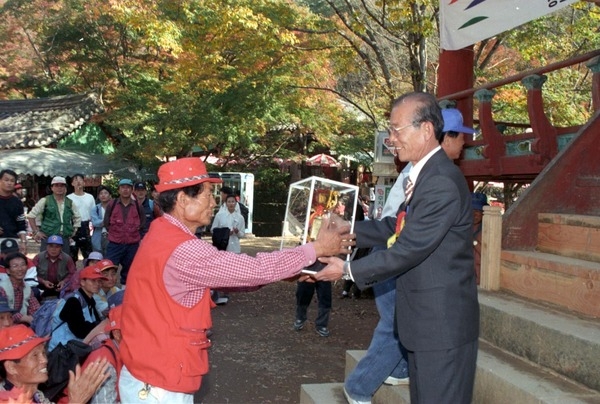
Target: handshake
column 334, row 239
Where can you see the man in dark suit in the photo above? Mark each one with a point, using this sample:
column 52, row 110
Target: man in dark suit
column 436, row 293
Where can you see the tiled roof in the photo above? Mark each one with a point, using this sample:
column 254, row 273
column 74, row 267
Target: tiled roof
column 51, row 162
column 43, row 121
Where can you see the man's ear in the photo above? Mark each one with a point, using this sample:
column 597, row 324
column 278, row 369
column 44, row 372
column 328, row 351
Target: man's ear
column 428, row 131
column 181, row 198
column 10, row 367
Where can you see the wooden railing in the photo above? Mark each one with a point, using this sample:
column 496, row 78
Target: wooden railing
column 519, row 157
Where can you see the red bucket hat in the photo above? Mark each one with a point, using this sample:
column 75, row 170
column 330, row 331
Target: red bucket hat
column 17, row 341
column 183, row 173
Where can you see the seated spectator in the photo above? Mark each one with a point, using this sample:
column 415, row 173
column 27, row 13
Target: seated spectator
column 7, row 247
column 54, row 267
column 108, row 287
column 73, row 284
column 109, row 350
column 23, row 366
column 78, row 315
column 6, row 313
column 92, row 259
column 19, row 294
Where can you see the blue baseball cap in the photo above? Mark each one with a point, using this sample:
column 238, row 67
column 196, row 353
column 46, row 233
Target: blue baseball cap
column 126, row 181
column 4, row 307
column 479, row 200
column 54, row 239
column 453, row 121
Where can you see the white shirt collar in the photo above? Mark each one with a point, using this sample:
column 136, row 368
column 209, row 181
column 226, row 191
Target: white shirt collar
column 416, row 169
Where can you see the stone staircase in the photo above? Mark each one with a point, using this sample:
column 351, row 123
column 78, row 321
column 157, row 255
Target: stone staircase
column 540, row 335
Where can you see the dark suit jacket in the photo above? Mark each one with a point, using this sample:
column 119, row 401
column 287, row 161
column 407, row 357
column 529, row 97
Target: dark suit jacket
column 436, row 293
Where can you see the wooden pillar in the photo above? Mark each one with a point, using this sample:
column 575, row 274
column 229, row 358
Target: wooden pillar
column 455, row 73
column 491, row 247
column 594, row 66
column 545, row 144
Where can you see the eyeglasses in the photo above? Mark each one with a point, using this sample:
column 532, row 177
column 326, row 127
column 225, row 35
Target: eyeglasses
column 19, row 265
column 391, row 130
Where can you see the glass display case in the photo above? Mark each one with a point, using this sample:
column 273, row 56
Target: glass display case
column 309, row 201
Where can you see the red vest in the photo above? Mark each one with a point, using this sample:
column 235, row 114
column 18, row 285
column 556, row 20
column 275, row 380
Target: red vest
column 124, row 231
column 164, row 343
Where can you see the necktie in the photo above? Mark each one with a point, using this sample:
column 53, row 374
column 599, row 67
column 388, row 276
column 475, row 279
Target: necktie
column 408, row 190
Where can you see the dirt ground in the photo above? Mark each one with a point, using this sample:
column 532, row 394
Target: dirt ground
column 257, row 356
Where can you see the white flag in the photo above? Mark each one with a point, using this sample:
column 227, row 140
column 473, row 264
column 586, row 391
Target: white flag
column 464, row 22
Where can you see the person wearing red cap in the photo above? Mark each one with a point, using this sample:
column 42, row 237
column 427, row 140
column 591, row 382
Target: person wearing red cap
column 23, row 366
column 166, row 309
column 76, row 316
column 108, row 287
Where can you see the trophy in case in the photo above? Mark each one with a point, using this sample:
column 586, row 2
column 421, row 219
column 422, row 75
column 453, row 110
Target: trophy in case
column 309, row 202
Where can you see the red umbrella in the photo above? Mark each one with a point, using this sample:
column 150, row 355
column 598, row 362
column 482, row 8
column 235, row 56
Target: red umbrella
column 322, row 160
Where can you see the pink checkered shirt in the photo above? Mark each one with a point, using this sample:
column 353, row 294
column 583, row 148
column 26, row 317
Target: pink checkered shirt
column 196, row 266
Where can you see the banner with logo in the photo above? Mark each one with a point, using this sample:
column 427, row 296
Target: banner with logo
column 464, row 22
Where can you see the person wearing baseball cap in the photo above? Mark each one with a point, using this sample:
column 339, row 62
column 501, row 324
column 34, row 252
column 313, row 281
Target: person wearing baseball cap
column 6, row 313
column 68, row 323
column 454, row 132
column 151, row 209
column 57, row 214
column 55, row 267
column 124, row 220
column 166, row 307
column 24, row 366
column 108, row 287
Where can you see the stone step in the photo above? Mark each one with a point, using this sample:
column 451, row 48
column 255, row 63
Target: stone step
column 504, row 378
column 501, row 378
column 566, row 282
column 561, row 342
column 385, row 394
column 330, row 393
column 575, row 236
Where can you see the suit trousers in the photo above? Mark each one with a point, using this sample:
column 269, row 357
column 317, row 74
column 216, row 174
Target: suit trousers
column 444, row 376
column 304, row 294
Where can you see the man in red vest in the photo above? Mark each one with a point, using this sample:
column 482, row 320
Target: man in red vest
column 124, row 219
column 166, row 311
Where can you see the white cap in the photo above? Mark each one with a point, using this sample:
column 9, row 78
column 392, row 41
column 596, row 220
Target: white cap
column 58, row 180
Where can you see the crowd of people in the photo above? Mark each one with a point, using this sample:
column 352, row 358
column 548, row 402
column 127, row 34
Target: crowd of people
column 141, row 297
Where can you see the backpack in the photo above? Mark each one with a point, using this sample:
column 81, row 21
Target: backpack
column 60, row 360
column 42, row 318
column 110, row 208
